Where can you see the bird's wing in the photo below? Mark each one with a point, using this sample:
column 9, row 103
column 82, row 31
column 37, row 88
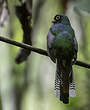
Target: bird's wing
column 75, row 45
column 51, row 51
column 75, row 48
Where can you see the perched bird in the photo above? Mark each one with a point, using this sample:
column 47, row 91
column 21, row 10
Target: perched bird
column 62, row 48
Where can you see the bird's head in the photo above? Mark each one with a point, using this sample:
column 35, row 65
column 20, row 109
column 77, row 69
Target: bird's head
column 61, row 19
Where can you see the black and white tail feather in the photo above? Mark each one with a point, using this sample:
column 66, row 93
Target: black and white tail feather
column 58, row 83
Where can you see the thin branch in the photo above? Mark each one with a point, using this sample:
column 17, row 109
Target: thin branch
column 37, row 50
column 23, row 45
column 83, row 64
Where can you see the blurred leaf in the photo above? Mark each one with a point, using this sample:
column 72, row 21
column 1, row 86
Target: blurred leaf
column 83, row 5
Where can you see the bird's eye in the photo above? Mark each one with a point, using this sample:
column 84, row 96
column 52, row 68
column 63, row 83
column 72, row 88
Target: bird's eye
column 58, row 18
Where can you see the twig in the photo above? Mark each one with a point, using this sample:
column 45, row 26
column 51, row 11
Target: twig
column 23, row 45
column 83, row 64
column 37, row 50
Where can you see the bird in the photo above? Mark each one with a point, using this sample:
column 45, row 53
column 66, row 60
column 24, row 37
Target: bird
column 62, row 48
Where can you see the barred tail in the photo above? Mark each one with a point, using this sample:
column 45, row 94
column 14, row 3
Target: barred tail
column 71, row 85
column 64, row 84
column 61, row 84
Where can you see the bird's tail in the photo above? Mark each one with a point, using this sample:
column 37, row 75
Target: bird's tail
column 64, row 85
column 71, row 84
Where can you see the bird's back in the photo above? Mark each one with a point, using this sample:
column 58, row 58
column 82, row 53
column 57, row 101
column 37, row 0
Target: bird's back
column 59, row 27
column 64, row 36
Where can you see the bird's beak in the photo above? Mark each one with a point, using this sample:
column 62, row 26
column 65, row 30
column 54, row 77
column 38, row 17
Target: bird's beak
column 53, row 21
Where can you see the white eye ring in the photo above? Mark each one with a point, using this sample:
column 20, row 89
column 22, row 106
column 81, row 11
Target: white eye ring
column 58, row 18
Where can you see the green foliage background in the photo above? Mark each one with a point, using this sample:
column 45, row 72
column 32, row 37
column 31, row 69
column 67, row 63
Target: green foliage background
column 38, row 93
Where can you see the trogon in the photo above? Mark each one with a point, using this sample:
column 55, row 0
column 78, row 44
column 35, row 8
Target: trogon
column 62, row 48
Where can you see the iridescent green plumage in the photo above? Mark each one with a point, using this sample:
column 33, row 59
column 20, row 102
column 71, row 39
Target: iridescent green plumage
column 62, row 48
